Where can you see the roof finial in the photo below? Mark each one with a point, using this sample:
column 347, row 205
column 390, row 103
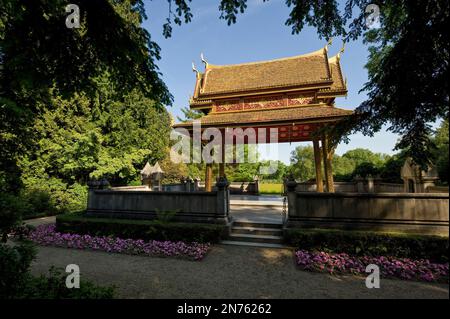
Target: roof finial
column 330, row 42
column 342, row 50
column 202, row 57
column 194, row 68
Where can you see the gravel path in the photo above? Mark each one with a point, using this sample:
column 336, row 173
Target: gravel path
column 226, row 272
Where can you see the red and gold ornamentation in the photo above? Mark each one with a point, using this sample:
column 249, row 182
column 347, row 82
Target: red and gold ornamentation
column 264, row 103
column 227, row 106
column 299, row 100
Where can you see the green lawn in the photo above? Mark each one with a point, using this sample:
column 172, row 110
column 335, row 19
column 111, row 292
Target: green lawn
column 270, row 188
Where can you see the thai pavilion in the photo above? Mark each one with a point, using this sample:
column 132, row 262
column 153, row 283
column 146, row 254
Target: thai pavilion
column 295, row 95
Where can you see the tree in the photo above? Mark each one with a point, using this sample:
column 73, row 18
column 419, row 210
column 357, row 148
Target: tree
column 42, row 62
column 343, row 168
column 390, row 171
column 408, row 86
column 189, row 114
column 441, row 153
column 360, row 155
column 76, row 103
column 279, row 174
column 302, row 163
column 173, row 172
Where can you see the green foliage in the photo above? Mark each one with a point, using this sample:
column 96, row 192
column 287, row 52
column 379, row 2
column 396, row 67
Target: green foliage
column 140, row 229
column 242, row 172
column 390, row 172
column 369, row 243
column 53, row 286
column 52, row 196
column 407, row 87
column 360, row 156
column 14, row 269
column 92, row 110
column 441, row 153
column 281, row 171
column 190, row 114
column 343, row 168
column 173, row 172
column 16, row 282
column 358, row 161
column 11, row 211
column 302, row 163
column 82, row 139
column 366, row 169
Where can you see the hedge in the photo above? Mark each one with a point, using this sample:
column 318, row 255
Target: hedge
column 140, row 229
column 358, row 243
column 17, row 282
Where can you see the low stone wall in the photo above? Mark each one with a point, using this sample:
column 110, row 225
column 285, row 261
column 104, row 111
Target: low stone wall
column 362, row 186
column 437, row 189
column 389, row 188
column 131, row 188
column 349, row 187
column 417, row 213
column 199, row 207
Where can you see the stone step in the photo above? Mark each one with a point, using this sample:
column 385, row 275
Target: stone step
column 256, row 238
column 251, row 244
column 257, row 231
column 245, row 223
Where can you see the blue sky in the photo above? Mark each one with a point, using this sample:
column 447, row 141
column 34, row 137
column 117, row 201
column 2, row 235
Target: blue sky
column 259, row 34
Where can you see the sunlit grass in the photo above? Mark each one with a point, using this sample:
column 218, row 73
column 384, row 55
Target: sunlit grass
column 270, row 188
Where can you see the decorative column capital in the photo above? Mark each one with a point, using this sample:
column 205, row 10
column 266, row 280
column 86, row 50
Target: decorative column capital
column 222, row 183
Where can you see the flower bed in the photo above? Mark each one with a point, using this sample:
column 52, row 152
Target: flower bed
column 390, row 267
column 47, row 236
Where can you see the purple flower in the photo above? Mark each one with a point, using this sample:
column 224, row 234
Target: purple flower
column 47, row 235
column 402, row 268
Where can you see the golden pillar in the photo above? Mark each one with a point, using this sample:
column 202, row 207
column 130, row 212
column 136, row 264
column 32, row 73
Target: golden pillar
column 318, row 165
column 327, row 158
column 222, row 163
column 208, row 177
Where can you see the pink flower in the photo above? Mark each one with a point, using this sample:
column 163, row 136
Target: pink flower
column 402, row 268
column 47, row 235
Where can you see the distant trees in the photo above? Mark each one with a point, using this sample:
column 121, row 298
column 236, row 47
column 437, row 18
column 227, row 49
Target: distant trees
column 302, row 163
column 358, row 161
column 441, row 152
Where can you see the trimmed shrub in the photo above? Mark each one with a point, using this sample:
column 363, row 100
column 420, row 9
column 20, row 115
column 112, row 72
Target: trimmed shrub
column 11, row 211
column 140, row 229
column 16, row 282
column 53, row 286
column 47, row 197
column 357, row 243
column 14, row 268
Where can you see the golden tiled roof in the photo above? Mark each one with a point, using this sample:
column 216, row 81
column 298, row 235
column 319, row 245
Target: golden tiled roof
column 307, row 69
column 336, row 74
column 294, row 114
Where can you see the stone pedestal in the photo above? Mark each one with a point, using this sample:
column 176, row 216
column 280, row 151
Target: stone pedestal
column 223, row 198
